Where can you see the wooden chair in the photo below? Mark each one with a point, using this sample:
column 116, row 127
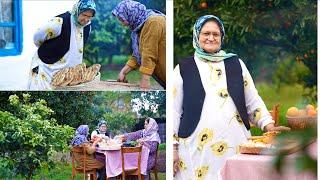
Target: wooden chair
column 154, row 169
column 79, row 163
column 275, row 114
column 134, row 171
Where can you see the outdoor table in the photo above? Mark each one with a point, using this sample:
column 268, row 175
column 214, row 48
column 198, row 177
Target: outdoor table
column 259, row 167
column 114, row 163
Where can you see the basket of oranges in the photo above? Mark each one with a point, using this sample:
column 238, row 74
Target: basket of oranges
column 302, row 118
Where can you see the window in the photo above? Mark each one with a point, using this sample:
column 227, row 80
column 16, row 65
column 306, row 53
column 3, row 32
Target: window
column 10, row 27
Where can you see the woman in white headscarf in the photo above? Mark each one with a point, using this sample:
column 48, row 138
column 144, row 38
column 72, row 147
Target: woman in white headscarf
column 60, row 44
column 148, row 137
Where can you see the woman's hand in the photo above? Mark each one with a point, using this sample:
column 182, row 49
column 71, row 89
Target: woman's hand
column 175, row 161
column 271, row 127
column 145, row 82
column 122, row 75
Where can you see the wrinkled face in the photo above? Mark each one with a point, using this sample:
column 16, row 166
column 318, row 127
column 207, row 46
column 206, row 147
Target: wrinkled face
column 103, row 128
column 145, row 124
column 85, row 17
column 210, row 37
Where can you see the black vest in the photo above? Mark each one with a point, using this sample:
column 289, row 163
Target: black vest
column 194, row 94
column 54, row 49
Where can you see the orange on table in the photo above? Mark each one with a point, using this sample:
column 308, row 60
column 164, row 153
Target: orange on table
column 312, row 113
column 309, row 107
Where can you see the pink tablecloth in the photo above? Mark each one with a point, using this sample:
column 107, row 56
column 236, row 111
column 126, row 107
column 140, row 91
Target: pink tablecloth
column 259, row 167
column 113, row 161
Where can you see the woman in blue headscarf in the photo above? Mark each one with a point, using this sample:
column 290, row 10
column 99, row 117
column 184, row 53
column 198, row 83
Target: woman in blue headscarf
column 80, row 140
column 60, row 44
column 214, row 100
column 148, row 41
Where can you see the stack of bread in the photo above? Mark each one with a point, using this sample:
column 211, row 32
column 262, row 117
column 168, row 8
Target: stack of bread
column 75, row 75
column 259, row 144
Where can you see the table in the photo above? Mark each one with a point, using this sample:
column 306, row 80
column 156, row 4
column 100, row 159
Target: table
column 259, row 167
column 114, row 163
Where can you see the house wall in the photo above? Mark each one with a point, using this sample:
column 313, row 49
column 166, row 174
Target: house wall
column 14, row 70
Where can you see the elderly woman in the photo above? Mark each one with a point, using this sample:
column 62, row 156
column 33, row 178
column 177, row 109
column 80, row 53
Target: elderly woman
column 148, row 137
column 60, row 44
column 214, row 99
column 101, row 131
column 148, row 41
column 80, row 140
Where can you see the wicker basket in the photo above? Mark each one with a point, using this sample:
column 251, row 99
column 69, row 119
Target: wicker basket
column 301, row 122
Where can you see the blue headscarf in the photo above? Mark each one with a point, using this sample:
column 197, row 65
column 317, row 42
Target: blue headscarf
column 199, row 52
column 81, row 135
column 80, row 7
column 135, row 14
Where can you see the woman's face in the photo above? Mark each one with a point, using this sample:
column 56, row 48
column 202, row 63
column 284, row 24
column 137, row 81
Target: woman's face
column 145, row 124
column 85, row 17
column 103, row 127
column 210, row 37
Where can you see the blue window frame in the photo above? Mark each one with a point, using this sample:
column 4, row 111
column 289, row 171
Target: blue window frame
column 10, row 27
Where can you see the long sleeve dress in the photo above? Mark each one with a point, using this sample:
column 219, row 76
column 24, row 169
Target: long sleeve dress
column 152, row 145
column 220, row 130
column 152, row 47
column 42, row 79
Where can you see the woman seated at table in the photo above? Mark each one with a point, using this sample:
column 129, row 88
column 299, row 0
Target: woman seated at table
column 148, row 137
column 101, row 131
column 80, row 140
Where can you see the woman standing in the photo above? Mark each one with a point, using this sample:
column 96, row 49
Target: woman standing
column 148, row 41
column 214, row 99
column 60, row 44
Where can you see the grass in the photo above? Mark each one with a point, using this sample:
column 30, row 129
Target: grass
column 63, row 171
column 287, row 96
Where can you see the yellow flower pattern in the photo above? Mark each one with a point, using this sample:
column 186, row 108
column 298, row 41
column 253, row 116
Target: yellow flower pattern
column 62, row 60
column 204, row 137
column 245, row 82
column 223, row 93
column 182, row 164
column 219, row 148
column 174, row 93
column 81, row 50
column 50, row 33
column 215, row 74
column 237, row 117
column 43, row 77
column 257, row 114
column 201, row 172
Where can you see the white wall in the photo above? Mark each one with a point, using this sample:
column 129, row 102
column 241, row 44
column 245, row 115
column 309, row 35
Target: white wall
column 14, row 69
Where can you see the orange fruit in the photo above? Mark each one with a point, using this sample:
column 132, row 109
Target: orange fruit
column 312, row 113
column 302, row 112
column 293, row 111
column 309, row 107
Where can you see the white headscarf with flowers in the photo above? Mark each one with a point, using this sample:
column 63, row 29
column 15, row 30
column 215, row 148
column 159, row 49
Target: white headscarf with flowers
column 150, row 133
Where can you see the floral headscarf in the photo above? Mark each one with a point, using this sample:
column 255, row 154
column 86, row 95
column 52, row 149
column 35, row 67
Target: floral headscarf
column 80, row 7
column 135, row 14
column 81, row 135
column 101, row 122
column 199, row 52
column 151, row 131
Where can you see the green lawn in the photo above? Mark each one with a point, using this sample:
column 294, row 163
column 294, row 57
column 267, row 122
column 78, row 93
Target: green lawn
column 287, row 96
column 63, row 171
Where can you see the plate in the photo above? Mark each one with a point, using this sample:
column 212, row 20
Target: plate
column 256, row 150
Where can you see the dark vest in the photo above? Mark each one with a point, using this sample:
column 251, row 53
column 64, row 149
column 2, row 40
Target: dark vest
column 194, row 94
column 54, row 49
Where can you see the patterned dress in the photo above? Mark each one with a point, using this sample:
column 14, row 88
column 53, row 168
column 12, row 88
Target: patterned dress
column 152, row 145
column 220, row 130
column 73, row 57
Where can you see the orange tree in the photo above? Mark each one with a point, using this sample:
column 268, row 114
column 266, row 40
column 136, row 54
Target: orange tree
column 29, row 137
column 263, row 33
